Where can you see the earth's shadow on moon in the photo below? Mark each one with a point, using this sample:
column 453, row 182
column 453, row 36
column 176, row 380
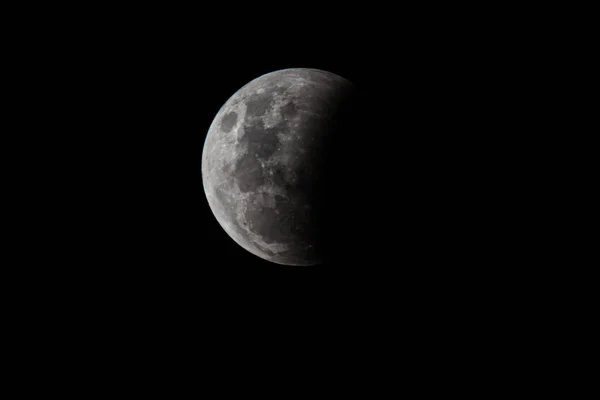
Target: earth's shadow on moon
column 338, row 191
column 337, row 194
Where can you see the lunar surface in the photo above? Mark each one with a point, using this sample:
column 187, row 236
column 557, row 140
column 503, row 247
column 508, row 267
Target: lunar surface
column 263, row 160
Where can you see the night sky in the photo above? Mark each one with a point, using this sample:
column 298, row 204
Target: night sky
column 423, row 211
column 432, row 224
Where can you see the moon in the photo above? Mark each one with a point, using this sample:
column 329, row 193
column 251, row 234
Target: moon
column 263, row 162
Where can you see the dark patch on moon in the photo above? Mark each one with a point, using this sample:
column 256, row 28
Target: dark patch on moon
column 228, row 122
column 262, row 142
column 265, row 223
column 289, row 110
column 279, row 199
column 278, row 177
column 258, row 105
column 248, row 173
column 223, row 199
column 274, row 224
column 285, row 223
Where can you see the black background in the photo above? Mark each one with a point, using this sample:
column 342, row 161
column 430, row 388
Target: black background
column 436, row 232
column 421, row 196
column 426, row 237
column 420, row 178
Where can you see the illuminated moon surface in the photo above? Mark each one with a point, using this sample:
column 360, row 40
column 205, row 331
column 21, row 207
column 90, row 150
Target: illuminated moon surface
column 262, row 162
